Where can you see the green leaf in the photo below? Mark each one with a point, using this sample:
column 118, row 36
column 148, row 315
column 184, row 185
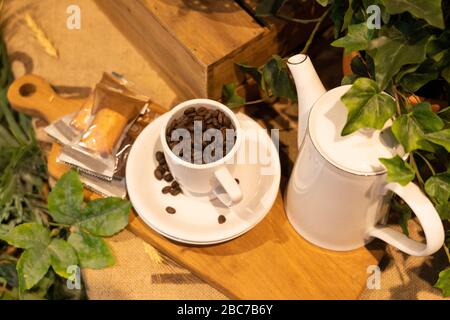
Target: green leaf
column 406, row 70
column 105, row 217
column 278, row 78
column 40, row 290
column 429, row 10
column 441, row 138
column 356, row 39
column 415, row 80
column 445, row 73
column 427, row 119
column 230, row 96
column 66, row 198
column 367, row 106
column 404, row 212
column 410, row 129
column 12, row 123
column 62, row 255
column 398, row 170
column 391, row 51
column 338, row 10
column 254, row 72
column 350, row 79
column 348, row 15
column 438, row 188
column 92, row 251
column 444, row 282
column 9, row 273
column 28, row 235
column 323, row 3
column 32, row 266
column 445, row 114
column 359, row 67
column 266, row 8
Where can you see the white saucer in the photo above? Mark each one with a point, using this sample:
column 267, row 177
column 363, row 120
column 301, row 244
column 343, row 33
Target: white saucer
column 196, row 219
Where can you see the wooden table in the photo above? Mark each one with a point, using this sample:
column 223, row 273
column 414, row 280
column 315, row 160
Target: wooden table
column 269, row 262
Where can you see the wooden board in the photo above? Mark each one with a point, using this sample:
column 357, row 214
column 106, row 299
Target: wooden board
column 269, row 262
column 196, row 43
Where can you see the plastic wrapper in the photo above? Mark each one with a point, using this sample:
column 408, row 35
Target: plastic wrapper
column 69, row 127
column 113, row 113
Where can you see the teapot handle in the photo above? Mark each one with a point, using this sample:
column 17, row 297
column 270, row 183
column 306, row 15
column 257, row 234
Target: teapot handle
column 428, row 217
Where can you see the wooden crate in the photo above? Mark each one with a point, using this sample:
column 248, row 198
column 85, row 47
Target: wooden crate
column 196, row 42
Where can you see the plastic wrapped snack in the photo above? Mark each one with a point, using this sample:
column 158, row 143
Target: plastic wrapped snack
column 113, row 112
column 81, row 120
column 69, row 127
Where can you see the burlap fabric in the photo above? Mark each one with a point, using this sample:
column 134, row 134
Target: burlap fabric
column 141, row 272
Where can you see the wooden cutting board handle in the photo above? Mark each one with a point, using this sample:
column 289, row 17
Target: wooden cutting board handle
column 34, row 96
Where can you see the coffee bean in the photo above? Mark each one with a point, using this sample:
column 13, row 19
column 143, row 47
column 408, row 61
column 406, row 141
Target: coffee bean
column 208, row 115
column 237, row 180
column 222, row 219
column 220, row 118
column 189, row 111
column 226, row 122
column 168, row 177
column 159, row 155
column 166, row 190
column 171, row 210
column 175, row 184
column 175, row 192
column 158, row 174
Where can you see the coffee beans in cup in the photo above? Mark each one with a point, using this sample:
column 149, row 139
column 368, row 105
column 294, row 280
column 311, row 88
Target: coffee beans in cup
column 201, row 135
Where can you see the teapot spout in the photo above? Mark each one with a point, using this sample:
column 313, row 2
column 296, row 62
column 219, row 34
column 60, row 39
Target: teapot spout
column 309, row 89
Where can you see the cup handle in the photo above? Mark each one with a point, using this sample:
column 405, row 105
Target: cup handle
column 228, row 183
column 428, row 217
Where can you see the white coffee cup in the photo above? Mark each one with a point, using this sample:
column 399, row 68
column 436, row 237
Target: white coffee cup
column 202, row 179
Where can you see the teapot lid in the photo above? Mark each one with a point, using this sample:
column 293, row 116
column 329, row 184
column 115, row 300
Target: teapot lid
column 357, row 153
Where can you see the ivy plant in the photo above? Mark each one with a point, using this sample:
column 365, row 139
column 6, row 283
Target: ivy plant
column 400, row 68
column 74, row 238
column 406, row 57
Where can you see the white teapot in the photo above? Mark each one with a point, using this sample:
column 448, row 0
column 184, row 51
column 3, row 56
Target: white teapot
column 338, row 196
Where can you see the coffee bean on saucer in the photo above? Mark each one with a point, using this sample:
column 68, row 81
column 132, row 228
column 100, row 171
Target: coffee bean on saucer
column 159, row 156
column 166, row 190
column 168, row 177
column 222, row 219
column 175, row 191
column 158, row 174
column 175, row 184
column 171, row 210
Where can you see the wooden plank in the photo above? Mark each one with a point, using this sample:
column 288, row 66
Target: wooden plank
column 270, row 262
